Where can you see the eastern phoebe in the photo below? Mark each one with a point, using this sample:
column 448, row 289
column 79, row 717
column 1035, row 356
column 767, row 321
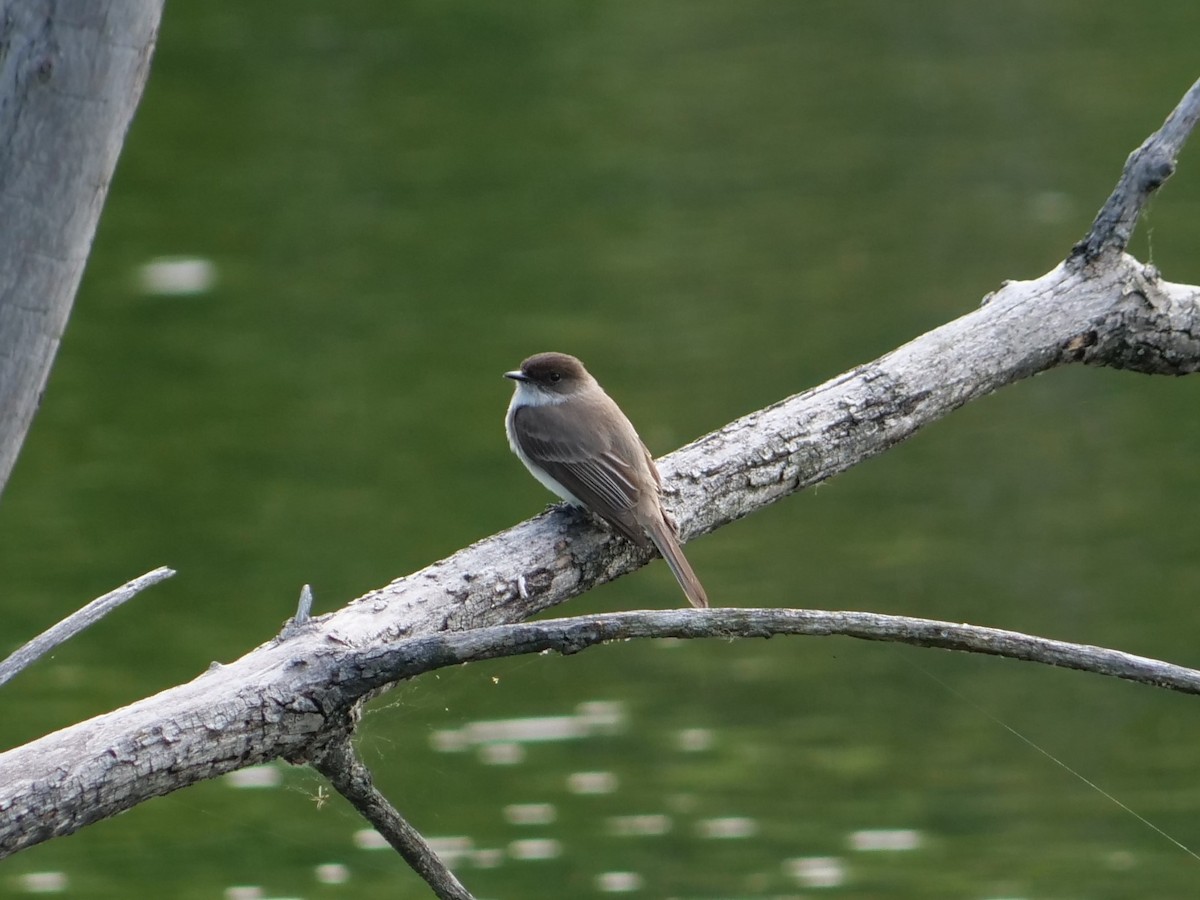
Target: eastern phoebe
column 576, row 441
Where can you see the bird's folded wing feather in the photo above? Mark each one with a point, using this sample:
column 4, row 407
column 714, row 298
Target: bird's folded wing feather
column 584, row 464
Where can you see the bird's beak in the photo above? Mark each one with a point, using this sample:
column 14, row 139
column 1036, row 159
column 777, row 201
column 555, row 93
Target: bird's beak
column 517, row 375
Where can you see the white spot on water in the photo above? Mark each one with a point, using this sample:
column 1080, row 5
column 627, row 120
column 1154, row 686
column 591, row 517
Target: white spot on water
column 592, row 782
column 267, row 776
column 618, row 882
column 530, row 813
column 43, row 882
column 535, row 848
column 501, row 754
column 727, row 828
column 332, row 873
column 816, row 871
column 885, row 839
column 369, row 839
column 177, row 276
column 650, row 825
column 695, row 740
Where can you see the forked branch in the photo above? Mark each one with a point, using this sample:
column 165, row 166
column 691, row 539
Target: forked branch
column 1145, row 170
column 341, row 764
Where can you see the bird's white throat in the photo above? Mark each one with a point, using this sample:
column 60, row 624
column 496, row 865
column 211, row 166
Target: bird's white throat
column 528, row 395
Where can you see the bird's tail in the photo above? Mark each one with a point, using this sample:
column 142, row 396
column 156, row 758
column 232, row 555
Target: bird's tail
column 668, row 545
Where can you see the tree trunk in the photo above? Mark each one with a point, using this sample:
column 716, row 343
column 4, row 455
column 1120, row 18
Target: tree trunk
column 71, row 75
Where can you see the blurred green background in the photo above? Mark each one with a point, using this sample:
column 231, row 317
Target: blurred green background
column 715, row 205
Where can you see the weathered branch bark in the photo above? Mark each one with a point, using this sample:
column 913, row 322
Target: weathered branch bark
column 1145, row 170
column 352, row 779
column 415, row 656
column 298, row 699
column 71, row 75
column 27, row 654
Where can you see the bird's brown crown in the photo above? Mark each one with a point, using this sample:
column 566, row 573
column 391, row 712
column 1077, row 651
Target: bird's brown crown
column 553, row 370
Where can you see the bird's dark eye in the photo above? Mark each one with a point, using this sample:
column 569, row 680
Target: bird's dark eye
column 555, row 377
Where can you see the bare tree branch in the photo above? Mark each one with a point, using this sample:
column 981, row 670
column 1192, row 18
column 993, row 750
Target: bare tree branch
column 25, row 656
column 346, row 772
column 415, row 656
column 293, row 698
column 1146, row 169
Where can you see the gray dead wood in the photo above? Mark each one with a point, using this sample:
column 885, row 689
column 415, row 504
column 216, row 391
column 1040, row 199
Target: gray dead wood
column 71, row 75
column 415, row 656
column 352, row 779
column 24, row 656
column 299, row 699
column 1145, row 170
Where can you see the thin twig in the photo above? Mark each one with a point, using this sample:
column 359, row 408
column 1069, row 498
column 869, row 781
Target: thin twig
column 413, row 656
column 304, row 607
column 352, row 779
column 303, row 617
column 1145, row 170
column 25, row 656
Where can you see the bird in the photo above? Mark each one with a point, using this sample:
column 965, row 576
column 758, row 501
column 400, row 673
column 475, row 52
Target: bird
column 576, row 441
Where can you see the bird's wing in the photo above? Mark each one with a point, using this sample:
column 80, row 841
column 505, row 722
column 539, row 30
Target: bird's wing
column 587, row 465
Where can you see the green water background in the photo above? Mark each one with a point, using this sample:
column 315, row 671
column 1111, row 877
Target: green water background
column 715, row 205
